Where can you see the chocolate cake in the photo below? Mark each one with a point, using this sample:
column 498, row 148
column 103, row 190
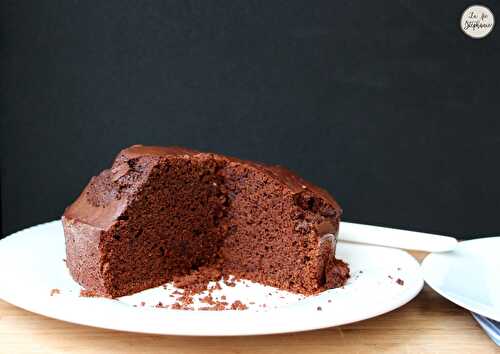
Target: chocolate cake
column 164, row 213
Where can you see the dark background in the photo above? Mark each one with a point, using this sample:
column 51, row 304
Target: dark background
column 387, row 104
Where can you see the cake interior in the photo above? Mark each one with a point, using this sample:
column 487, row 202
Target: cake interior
column 211, row 214
column 171, row 227
column 271, row 236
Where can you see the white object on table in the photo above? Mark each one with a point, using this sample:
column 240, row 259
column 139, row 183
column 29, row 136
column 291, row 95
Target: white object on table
column 388, row 237
column 468, row 276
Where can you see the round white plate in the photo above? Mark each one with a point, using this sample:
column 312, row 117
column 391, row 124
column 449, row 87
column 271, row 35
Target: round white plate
column 468, row 276
column 31, row 264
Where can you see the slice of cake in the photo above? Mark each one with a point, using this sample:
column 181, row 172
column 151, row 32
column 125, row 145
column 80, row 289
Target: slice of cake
column 161, row 213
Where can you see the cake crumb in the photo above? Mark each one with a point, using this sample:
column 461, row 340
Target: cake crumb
column 219, row 306
column 216, row 287
column 230, row 282
column 143, row 303
column 176, row 306
column 88, row 293
column 183, row 301
column 329, row 300
column 55, row 291
column 238, row 305
column 319, row 308
column 208, row 300
column 198, row 280
column 400, row 281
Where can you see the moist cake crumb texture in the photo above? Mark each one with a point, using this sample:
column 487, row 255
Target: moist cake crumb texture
column 173, row 214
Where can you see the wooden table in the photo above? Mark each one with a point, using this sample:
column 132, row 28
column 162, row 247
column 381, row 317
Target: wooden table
column 428, row 324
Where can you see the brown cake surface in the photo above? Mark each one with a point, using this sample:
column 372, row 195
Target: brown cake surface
column 164, row 213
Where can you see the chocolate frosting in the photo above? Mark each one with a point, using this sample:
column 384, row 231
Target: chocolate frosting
column 113, row 191
column 282, row 174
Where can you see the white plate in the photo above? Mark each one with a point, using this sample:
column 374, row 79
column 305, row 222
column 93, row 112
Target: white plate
column 468, row 276
column 31, row 264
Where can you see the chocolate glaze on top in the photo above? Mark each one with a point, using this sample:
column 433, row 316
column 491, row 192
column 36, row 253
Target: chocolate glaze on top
column 103, row 216
column 293, row 181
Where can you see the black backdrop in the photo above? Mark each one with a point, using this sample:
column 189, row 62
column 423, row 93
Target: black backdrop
column 386, row 104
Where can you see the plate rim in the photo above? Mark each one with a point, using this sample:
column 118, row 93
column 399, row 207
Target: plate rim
column 322, row 318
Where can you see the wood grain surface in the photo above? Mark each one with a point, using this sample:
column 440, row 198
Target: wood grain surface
column 428, row 324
